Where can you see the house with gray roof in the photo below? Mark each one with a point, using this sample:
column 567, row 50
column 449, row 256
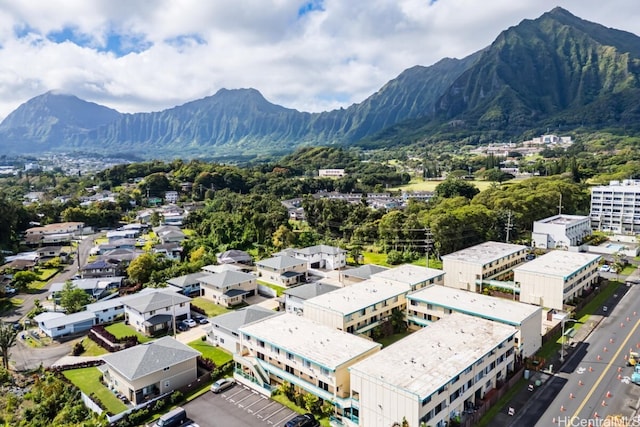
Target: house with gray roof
column 228, row 288
column 294, row 298
column 152, row 313
column 234, row 256
column 59, row 325
column 189, row 284
column 282, row 270
column 223, row 330
column 100, row 268
column 107, row 310
column 152, row 369
column 322, row 256
column 362, row 273
column 96, row 287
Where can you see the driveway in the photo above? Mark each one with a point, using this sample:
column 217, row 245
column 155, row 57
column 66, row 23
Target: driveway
column 24, row 357
column 238, row 407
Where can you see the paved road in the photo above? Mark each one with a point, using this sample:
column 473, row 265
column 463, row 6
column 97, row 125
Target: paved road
column 591, row 384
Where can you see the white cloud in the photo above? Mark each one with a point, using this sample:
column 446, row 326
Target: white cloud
column 337, row 53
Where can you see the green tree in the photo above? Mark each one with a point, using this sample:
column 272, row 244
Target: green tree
column 72, row 298
column 22, row 279
column 141, row 268
column 453, row 187
column 8, row 336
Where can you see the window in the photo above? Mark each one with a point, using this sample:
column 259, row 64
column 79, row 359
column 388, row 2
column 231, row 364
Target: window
column 324, row 371
column 290, row 356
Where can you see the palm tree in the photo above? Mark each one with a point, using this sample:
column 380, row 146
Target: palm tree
column 8, row 336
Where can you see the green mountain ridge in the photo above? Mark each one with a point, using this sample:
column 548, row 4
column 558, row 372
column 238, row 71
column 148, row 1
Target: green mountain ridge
column 554, row 71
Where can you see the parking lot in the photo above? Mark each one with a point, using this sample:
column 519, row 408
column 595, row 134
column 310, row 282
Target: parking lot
column 239, row 407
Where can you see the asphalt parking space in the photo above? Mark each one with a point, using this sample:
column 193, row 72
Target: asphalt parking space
column 237, row 406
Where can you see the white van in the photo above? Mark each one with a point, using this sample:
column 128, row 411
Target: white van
column 173, row 418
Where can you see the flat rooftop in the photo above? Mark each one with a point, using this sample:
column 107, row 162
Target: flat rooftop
column 360, row 295
column 408, row 273
column 557, row 263
column 313, row 341
column 475, row 304
column 564, row 219
column 485, row 253
column 446, row 348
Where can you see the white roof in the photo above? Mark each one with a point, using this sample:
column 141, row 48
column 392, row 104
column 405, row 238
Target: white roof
column 485, row 253
column 312, row 341
column 557, row 263
column 409, row 274
column 475, row 304
column 429, row 358
column 563, row 219
column 355, row 297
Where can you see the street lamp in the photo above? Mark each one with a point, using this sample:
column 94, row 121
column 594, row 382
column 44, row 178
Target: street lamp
column 564, row 319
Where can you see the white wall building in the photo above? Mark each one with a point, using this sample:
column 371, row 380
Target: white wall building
column 319, row 256
column 616, row 207
column 560, row 231
column 223, row 330
column 414, row 276
column 432, row 375
column 357, row 308
column 294, row 298
column 468, row 268
column 556, row 278
column 435, row 302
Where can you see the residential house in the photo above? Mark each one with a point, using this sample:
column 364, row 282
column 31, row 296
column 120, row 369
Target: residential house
column 171, row 250
column 169, row 234
column 47, row 253
column 96, row 287
column 59, row 325
column 358, row 308
column 434, row 302
column 294, row 298
column 313, row 358
column 153, row 312
column 149, row 370
column 107, row 310
column 282, row 270
column 359, row 274
column 223, row 330
column 320, row 256
column 120, row 234
column 171, row 197
column 414, row 276
column 214, row 268
column 53, row 234
column 234, row 256
column 100, row 268
column 471, row 268
column 189, row 284
column 556, row 278
column 228, row 288
column 433, row 375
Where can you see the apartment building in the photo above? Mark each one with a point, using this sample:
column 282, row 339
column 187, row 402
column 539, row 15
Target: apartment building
column 469, row 268
column 432, row 303
column 432, row 375
column 357, row 308
column 414, row 276
column 313, row 358
column 560, row 231
column 556, row 278
column 616, row 207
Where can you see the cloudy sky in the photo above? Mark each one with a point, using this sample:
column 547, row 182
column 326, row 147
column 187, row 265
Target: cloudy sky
column 312, row 55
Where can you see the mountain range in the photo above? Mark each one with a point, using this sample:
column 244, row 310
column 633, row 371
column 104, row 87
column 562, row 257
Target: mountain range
column 555, row 71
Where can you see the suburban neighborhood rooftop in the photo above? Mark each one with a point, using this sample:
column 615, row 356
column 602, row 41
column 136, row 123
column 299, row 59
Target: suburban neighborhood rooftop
column 408, row 273
column 485, row 252
column 558, row 263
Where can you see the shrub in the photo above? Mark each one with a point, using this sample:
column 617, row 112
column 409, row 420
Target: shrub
column 78, row 349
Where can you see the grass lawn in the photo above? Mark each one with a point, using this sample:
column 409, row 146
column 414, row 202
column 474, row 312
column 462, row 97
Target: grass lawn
column 88, row 380
column 279, row 289
column 92, row 349
column 393, row 338
column 120, row 330
column 48, row 273
column 218, row 355
column 417, row 184
column 282, row 399
column 212, row 309
column 628, row 270
column 375, row 258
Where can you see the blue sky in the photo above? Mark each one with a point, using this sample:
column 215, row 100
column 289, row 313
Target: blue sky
column 312, row 55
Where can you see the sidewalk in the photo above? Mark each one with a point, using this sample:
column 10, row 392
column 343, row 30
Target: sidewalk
column 522, row 399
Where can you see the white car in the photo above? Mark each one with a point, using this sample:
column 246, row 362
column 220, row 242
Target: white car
column 605, row 268
column 190, row 322
column 222, row 384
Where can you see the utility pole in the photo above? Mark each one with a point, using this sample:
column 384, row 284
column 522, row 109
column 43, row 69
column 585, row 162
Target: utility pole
column 560, row 205
column 509, row 225
column 428, row 242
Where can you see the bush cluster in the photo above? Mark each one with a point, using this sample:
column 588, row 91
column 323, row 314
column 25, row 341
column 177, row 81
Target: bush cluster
column 102, row 337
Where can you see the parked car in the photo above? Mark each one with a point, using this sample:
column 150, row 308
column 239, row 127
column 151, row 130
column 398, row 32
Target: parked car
column 306, row 420
column 8, row 290
column 181, row 326
column 203, row 320
column 222, row 384
column 190, row 322
column 174, row 418
column 530, row 257
column 605, row 268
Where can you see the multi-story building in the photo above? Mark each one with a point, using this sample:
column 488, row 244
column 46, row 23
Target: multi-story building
column 616, row 207
column 313, row 358
column 471, row 268
column 556, row 278
column 228, row 288
column 358, row 308
column 414, row 276
column 320, row 256
column 435, row 302
column 560, row 231
column 294, row 298
column 282, row 270
column 432, row 375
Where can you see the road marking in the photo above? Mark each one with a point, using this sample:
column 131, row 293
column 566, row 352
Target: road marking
column 269, row 416
column 580, row 370
column 263, row 408
column 604, row 371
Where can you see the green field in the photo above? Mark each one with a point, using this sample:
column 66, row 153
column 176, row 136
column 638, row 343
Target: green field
column 88, row 380
column 417, row 184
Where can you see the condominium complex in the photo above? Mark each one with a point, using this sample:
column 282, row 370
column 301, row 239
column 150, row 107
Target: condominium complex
column 435, row 302
column 556, row 278
column 560, row 231
column 469, row 268
column 411, row 275
column 432, row 375
column 616, row 207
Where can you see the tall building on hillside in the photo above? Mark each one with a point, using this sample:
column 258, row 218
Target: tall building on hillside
column 616, row 207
